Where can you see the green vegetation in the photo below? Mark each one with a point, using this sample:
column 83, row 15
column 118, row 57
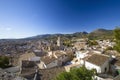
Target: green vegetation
column 4, row 61
column 109, row 48
column 67, row 43
column 77, row 74
column 92, row 42
column 117, row 39
column 101, row 34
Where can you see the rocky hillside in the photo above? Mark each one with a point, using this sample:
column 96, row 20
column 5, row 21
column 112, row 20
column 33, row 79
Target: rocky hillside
column 96, row 34
column 101, row 34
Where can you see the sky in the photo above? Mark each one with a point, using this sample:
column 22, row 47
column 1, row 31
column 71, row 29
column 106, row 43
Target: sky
column 25, row 18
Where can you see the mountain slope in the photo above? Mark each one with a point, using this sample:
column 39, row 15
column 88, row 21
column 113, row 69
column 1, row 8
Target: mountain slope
column 96, row 34
column 101, row 34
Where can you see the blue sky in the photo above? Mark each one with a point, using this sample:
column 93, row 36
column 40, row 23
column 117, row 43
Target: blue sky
column 24, row 18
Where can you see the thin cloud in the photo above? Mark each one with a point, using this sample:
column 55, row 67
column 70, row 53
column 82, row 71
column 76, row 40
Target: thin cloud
column 5, row 28
column 8, row 29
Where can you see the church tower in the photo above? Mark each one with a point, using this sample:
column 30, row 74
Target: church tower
column 58, row 42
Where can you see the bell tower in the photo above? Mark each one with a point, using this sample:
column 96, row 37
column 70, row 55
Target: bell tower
column 58, row 42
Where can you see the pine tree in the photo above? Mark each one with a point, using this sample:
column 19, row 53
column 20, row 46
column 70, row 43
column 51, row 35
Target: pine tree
column 117, row 39
column 77, row 74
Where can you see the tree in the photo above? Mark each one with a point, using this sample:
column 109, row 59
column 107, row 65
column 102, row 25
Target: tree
column 77, row 74
column 67, row 43
column 117, row 39
column 108, row 48
column 4, row 61
column 92, row 42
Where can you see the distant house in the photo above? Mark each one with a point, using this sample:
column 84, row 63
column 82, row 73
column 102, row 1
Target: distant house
column 105, row 43
column 99, row 62
column 80, row 45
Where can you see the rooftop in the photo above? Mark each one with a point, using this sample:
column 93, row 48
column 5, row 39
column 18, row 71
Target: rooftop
column 28, row 64
column 98, row 59
column 48, row 59
column 26, row 56
column 49, row 74
column 28, row 69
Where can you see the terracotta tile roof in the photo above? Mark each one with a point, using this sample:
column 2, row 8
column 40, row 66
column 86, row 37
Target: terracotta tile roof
column 26, row 56
column 28, row 72
column 28, row 69
column 49, row 74
column 47, row 59
column 40, row 54
column 28, row 64
column 97, row 59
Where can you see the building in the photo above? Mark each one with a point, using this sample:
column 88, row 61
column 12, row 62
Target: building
column 79, row 55
column 26, row 56
column 53, row 59
column 80, row 44
column 51, row 73
column 28, row 69
column 58, row 42
column 99, row 62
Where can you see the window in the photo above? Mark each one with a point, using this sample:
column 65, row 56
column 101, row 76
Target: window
column 105, row 69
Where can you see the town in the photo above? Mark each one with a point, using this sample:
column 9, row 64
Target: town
column 45, row 59
column 59, row 39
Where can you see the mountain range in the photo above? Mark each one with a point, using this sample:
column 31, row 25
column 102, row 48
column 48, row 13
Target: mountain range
column 96, row 34
column 101, row 34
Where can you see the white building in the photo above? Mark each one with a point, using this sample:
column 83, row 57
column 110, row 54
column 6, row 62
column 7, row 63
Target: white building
column 79, row 55
column 99, row 62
